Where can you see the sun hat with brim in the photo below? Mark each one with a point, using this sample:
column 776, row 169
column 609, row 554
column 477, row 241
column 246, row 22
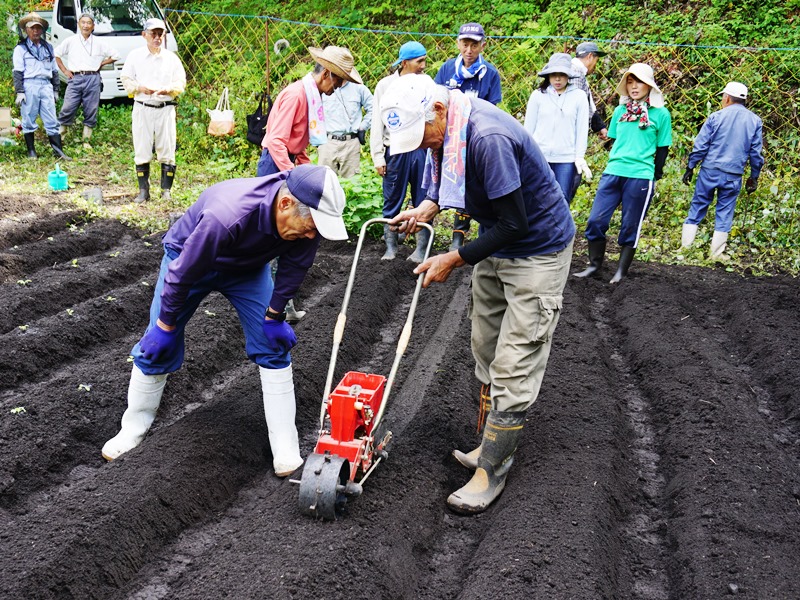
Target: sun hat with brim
column 32, row 19
column 558, row 63
column 338, row 61
column 318, row 188
column 735, row 90
column 403, row 107
column 643, row 73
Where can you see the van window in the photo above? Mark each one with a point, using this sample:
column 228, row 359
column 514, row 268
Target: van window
column 66, row 15
column 121, row 17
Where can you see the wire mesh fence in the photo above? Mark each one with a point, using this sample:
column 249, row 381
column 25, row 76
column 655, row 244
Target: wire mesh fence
column 249, row 53
column 252, row 53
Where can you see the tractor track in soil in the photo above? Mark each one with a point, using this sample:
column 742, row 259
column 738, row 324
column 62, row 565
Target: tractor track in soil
column 662, row 459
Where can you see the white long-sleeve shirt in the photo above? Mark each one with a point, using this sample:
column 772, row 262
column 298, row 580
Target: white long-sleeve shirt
column 162, row 71
column 559, row 123
column 81, row 54
column 378, row 135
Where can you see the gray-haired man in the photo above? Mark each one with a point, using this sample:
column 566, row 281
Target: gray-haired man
column 85, row 54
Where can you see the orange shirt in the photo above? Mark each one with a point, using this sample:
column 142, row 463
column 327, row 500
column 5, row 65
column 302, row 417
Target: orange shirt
column 287, row 128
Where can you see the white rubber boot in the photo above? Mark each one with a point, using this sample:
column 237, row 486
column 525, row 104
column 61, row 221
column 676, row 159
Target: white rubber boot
column 718, row 243
column 688, row 234
column 144, row 396
column 277, row 386
column 87, row 133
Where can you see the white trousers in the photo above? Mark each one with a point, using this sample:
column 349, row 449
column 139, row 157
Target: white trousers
column 153, row 123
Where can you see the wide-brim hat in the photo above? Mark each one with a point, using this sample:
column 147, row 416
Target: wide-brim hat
column 337, row 60
column 34, row 18
column 558, row 63
column 644, row 73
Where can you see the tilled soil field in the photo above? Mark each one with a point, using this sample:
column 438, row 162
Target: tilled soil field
column 661, row 461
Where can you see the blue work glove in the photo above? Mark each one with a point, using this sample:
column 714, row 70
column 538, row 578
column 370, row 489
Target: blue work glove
column 280, row 335
column 157, row 343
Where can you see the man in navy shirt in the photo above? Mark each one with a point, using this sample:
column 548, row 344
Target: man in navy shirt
column 471, row 74
column 224, row 243
column 728, row 139
column 520, row 258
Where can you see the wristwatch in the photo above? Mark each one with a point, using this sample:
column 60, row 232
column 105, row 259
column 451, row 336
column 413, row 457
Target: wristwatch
column 275, row 316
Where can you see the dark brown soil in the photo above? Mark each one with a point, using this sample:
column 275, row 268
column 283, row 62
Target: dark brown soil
column 661, row 461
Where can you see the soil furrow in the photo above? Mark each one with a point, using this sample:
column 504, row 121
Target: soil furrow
column 661, row 460
column 77, row 241
column 54, row 289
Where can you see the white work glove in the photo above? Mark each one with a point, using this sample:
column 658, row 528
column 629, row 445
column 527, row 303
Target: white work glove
column 55, row 96
column 20, row 99
column 583, row 169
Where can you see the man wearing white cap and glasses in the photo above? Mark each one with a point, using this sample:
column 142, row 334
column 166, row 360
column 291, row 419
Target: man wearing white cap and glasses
column 224, row 243
column 85, row 54
column 154, row 77
column 36, row 84
column 727, row 140
column 521, row 256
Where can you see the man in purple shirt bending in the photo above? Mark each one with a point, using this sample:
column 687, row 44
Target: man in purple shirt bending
column 224, row 243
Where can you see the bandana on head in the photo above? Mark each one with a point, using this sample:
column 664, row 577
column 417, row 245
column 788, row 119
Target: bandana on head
column 444, row 176
column 316, row 116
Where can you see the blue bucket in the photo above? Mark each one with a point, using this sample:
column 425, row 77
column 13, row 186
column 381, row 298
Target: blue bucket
column 58, row 180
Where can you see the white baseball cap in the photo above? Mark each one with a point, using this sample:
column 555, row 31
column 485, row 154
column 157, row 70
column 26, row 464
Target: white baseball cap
column 735, row 90
column 403, row 109
column 318, row 188
column 154, row 24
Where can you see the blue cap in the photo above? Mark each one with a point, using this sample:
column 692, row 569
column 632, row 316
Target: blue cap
column 409, row 51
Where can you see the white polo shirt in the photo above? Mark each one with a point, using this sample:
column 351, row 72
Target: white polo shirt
column 162, row 71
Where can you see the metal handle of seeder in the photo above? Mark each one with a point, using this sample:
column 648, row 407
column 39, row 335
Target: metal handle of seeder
column 405, row 335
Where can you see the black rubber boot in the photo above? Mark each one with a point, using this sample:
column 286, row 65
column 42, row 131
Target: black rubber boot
column 423, row 236
column 390, row 237
column 143, row 176
column 500, row 439
column 55, row 144
column 625, row 259
column 461, row 224
column 30, row 145
column 167, row 177
column 597, row 252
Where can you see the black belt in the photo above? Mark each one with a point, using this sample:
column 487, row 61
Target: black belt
column 86, row 72
column 344, row 137
column 160, row 105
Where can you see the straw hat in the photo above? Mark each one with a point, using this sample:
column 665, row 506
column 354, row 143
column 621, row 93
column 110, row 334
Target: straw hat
column 32, row 18
column 643, row 73
column 338, row 61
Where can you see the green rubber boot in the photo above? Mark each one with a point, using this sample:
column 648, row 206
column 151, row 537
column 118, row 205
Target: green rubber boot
column 500, row 439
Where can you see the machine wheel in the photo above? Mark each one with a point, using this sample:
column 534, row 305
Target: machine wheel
column 323, row 485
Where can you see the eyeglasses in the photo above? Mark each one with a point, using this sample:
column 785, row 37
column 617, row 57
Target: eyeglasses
column 157, row 33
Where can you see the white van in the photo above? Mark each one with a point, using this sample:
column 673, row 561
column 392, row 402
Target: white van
column 118, row 22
